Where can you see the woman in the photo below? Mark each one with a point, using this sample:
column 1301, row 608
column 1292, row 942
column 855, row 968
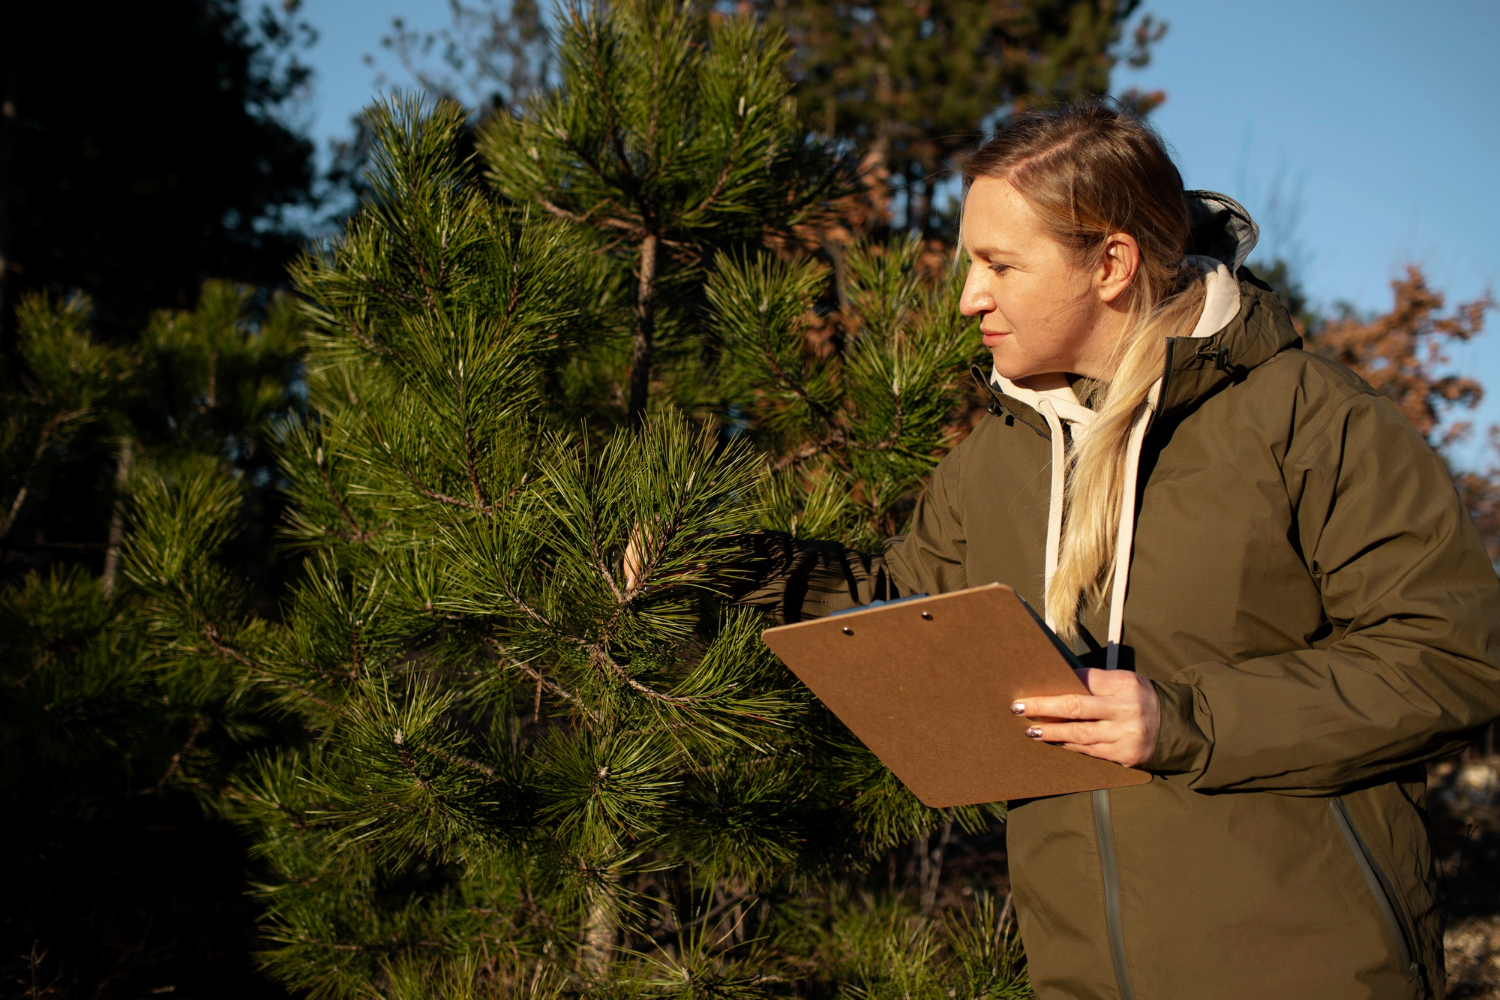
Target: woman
column 1279, row 566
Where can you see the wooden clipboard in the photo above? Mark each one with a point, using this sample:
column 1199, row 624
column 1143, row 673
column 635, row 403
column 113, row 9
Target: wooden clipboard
column 927, row 684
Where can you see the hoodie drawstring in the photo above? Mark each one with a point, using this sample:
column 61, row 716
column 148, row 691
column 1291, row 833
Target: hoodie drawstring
column 1054, row 503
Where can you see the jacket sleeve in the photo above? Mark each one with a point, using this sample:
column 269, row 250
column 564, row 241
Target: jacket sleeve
column 791, row 579
column 1414, row 604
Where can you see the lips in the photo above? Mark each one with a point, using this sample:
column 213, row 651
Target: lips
column 993, row 337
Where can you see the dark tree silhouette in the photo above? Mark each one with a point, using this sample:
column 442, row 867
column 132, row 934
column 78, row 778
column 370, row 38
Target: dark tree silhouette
column 141, row 152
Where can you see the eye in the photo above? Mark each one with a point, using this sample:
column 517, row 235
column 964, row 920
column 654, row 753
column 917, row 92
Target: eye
column 999, row 268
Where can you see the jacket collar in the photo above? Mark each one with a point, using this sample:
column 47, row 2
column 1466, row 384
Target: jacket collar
column 1198, row 367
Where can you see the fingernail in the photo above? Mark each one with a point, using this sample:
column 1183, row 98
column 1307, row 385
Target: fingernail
column 1033, row 732
column 1017, row 708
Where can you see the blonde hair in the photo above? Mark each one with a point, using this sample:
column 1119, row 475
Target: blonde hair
column 1091, row 170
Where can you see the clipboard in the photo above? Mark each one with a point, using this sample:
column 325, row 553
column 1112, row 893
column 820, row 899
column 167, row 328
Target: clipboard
column 927, row 683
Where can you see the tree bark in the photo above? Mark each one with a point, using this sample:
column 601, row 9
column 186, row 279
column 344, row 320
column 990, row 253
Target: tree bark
column 922, row 212
column 123, row 460
column 932, row 867
column 598, row 938
column 645, row 331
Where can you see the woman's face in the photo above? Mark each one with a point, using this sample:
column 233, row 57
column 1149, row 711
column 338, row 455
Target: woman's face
column 1039, row 312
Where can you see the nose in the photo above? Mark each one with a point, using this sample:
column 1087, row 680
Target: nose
column 976, row 299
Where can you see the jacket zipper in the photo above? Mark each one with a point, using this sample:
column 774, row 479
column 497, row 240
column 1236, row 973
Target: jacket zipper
column 1104, row 831
column 1381, row 888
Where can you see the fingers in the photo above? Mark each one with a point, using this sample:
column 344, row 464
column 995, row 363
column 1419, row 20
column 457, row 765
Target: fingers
column 1104, row 751
column 1079, row 733
column 1118, row 721
column 1103, row 740
column 1066, row 706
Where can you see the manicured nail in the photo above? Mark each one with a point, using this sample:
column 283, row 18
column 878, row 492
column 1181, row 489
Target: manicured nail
column 1017, row 708
column 1033, row 732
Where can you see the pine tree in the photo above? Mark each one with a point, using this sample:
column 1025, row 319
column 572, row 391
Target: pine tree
column 62, row 389
column 107, row 746
column 520, row 773
column 671, row 136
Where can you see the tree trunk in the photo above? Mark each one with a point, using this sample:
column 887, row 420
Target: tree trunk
column 123, row 461
column 922, row 212
column 598, row 938
column 932, row 867
column 645, row 330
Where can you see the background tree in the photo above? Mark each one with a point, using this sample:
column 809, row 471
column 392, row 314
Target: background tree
column 121, row 885
column 493, row 54
column 140, row 155
column 914, row 86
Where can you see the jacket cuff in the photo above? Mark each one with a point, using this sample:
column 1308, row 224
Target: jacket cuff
column 1181, row 744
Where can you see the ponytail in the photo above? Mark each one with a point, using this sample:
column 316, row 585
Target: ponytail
column 1092, row 170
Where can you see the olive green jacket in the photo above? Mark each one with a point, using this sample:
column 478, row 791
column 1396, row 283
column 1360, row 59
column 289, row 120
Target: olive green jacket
column 1320, row 620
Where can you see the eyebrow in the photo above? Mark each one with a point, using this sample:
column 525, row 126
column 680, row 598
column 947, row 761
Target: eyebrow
column 989, row 251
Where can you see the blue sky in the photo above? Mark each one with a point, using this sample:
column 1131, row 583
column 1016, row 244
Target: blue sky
column 1362, row 133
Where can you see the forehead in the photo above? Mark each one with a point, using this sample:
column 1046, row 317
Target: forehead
column 997, row 217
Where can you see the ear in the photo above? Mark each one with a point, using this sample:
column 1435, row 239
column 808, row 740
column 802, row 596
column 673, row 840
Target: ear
column 1118, row 267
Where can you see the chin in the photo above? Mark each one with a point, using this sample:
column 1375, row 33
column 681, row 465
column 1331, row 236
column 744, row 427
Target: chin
column 1011, row 367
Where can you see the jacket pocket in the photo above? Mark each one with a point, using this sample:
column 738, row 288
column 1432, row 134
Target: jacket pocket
column 1386, row 899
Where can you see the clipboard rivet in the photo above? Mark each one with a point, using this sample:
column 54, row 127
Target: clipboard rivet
column 927, row 615
column 848, row 630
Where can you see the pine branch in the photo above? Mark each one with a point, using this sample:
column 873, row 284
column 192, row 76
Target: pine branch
column 608, row 222
column 175, row 764
column 834, row 439
column 506, row 660
column 600, row 656
column 360, row 536
column 49, row 428
column 399, row 739
column 363, row 336
column 417, row 484
column 223, row 649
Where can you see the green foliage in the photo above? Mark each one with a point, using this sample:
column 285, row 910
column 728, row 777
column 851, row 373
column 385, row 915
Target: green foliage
column 113, row 728
column 666, row 123
column 65, row 386
column 671, row 136
column 74, row 687
column 213, row 382
column 506, row 737
column 856, row 431
column 891, row 953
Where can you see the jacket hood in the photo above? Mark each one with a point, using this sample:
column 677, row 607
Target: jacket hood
column 1221, row 228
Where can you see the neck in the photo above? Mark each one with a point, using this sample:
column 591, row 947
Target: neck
column 1044, row 381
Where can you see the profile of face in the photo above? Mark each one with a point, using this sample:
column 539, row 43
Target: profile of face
column 1042, row 314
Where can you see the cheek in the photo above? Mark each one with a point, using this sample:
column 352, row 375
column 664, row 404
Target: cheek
column 1026, row 315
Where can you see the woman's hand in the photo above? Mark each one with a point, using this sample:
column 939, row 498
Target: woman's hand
column 1117, row 720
